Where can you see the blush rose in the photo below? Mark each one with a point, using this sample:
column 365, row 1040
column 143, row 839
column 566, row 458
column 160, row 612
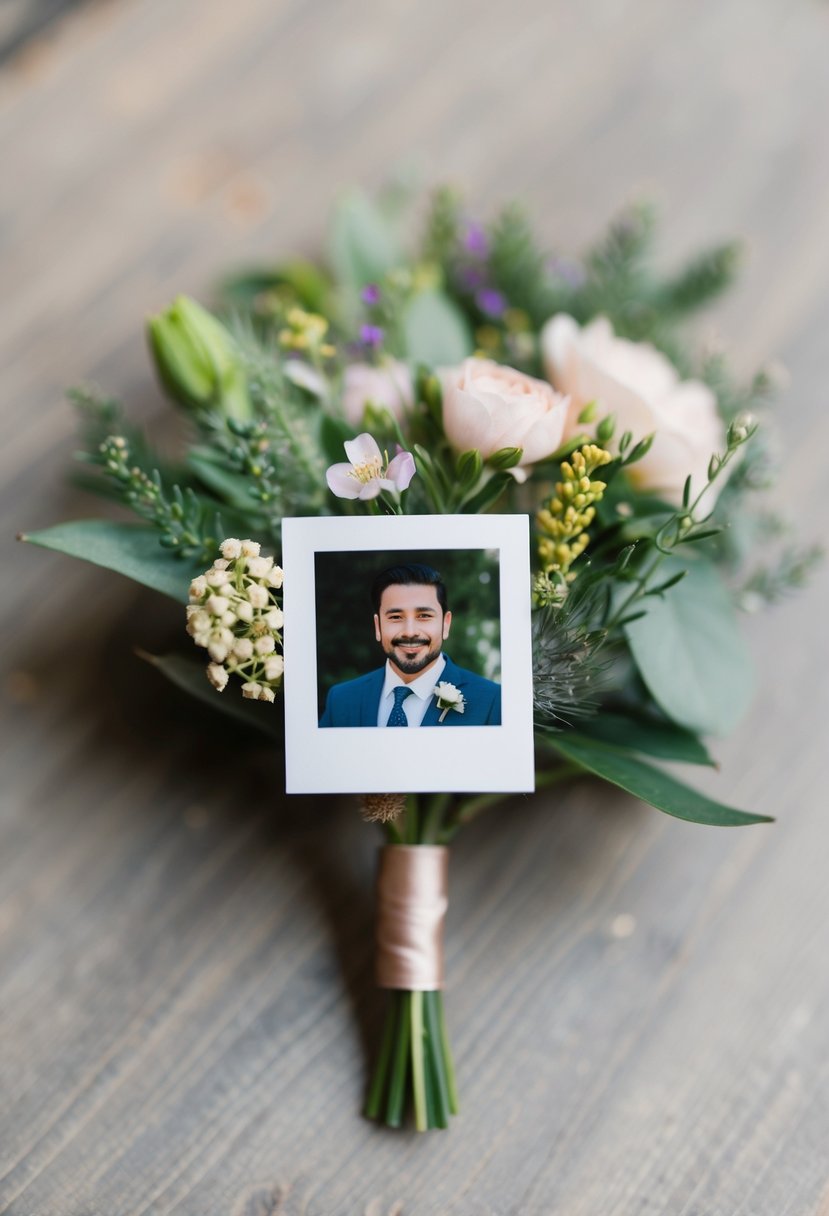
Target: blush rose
column 489, row 406
column 638, row 385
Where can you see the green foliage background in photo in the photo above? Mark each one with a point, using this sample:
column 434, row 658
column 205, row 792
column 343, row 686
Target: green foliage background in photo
column 346, row 646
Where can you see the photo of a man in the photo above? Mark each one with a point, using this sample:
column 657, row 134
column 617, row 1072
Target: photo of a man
column 419, row 684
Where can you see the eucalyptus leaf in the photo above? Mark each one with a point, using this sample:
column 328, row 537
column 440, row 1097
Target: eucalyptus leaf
column 363, row 244
column 651, row 736
column 435, row 330
column 646, row 782
column 188, row 674
column 129, row 549
column 690, row 653
column 232, row 487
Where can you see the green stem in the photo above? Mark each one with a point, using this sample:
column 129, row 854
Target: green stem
column 418, row 1071
column 448, row 1062
column 433, row 818
column 441, row 1088
column 397, row 1086
column 411, row 819
column 375, row 1093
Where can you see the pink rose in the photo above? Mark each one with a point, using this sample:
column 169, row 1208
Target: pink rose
column 489, row 406
column 641, row 387
column 388, row 385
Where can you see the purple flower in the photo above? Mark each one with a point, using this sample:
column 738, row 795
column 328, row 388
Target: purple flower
column 472, row 277
column 364, row 476
column 370, row 294
column 371, row 335
column 475, row 240
column 491, row 302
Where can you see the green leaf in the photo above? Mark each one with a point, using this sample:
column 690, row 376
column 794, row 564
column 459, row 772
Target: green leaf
column 334, row 433
column 648, row 783
column 435, row 331
column 232, row 487
column 129, row 549
column 651, row 736
column 363, row 244
column 489, row 495
column 189, row 675
column 690, row 652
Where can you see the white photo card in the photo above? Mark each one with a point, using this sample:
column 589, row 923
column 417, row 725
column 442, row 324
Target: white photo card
column 408, row 621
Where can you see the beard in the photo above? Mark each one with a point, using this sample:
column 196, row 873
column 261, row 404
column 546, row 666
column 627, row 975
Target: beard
column 411, row 664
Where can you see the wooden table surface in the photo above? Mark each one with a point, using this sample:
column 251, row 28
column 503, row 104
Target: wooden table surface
column 638, row 1005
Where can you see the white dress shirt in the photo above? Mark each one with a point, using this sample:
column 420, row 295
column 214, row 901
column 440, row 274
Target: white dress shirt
column 415, row 706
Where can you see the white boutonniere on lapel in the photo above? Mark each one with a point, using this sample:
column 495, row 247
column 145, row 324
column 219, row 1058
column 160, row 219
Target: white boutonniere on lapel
column 449, row 697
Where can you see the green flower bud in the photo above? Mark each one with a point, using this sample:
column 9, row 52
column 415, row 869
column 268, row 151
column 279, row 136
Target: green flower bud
column 468, row 468
column 505, row 458
column 197, row 360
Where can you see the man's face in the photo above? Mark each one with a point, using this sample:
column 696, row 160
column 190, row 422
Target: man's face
column 411, row 627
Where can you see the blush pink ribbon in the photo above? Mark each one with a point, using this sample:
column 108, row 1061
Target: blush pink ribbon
column 412, row 898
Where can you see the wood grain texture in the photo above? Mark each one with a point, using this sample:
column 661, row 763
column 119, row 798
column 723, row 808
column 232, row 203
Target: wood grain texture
column 638, row 1005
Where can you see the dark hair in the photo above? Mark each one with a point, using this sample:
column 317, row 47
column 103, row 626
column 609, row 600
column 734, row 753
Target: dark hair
column 412, row 574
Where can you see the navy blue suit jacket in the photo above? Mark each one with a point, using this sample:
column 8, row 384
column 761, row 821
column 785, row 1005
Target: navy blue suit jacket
column 356, row 702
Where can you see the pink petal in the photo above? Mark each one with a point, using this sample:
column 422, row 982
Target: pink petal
column 342, row 482
column 371, row 489
column 401, row 470
column 363, row 449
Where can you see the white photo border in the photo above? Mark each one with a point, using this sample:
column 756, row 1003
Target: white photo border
column 343, row 760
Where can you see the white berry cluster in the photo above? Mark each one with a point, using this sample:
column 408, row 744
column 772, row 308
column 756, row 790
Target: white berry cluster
column 235, row 614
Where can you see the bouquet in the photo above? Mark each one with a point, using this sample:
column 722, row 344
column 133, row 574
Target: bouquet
column 463, row 371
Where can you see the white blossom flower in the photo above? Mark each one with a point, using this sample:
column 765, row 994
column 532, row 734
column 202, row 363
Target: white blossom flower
column 365, row 477
column 274, row 667
column 217, row 604
column 258, row 567
column 217, row 675
column 236, row 616
column 258, row 596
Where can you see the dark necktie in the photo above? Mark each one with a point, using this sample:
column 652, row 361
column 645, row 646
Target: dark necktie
column 397, row 717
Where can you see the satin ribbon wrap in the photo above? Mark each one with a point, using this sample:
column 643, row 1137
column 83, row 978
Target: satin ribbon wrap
column 412, row 897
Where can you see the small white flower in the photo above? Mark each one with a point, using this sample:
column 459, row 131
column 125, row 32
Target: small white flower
column 274, row 618
column 244, row 611
column 218, row 651
column 198, row 587
column 231, row 548
column 198, row 623
column 250, row 548
column 217, row 578
column 251, row 690
column 243, row 648
column 265, row 645
column 275, row 577
column 220, row 564
column 217, row 675
column 229, row 618
column 259, row 567
column 274, row 667
column 266, row 694
column 217, row 605
column 258, row 596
